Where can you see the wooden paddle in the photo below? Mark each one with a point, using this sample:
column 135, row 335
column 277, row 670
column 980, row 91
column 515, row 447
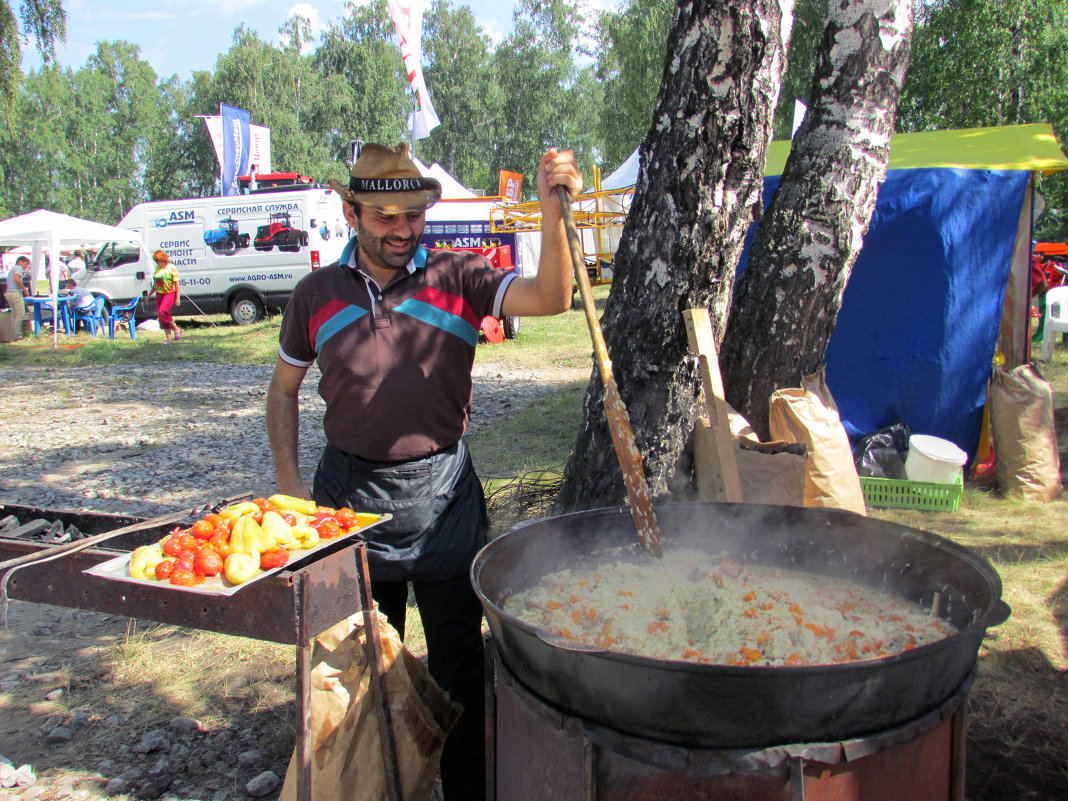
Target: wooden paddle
column 630, row 459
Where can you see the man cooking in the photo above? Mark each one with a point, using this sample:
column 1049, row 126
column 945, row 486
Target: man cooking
column 394, row 328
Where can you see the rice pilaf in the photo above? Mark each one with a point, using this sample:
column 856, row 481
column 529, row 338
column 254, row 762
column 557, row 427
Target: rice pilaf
column 709, row 609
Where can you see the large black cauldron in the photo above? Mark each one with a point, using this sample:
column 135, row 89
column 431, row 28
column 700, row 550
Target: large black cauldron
column 733, row 707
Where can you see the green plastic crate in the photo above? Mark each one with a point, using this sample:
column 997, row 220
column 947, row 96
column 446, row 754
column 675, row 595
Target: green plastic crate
column 893, row 493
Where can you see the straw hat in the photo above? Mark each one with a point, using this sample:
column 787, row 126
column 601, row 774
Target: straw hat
column 388, row 180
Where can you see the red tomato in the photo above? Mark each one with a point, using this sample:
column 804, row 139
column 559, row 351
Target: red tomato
column 263, row 503
column 329, row 528
column 202, row 530
column 258, row 516
column 216, row 520
column 208, row 562
column 289, row 518
column 164, row 569
column 346, row 517
column 185, row 560
column 275, row 558
column 171, row 546
column 187, row 542
column 183, row 578
column 221, row 544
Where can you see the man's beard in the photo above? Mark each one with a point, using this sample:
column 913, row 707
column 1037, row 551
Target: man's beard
column 373, row 247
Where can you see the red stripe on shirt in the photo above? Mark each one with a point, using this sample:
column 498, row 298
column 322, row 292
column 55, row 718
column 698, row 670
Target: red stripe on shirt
column 446, row 301
column 322, row 316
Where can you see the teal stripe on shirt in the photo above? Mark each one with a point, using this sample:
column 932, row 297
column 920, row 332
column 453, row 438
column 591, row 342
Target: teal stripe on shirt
column 343, row 318
column 438, row 318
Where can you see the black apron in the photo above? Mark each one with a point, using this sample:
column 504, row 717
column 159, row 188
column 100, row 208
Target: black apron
column 439, row 512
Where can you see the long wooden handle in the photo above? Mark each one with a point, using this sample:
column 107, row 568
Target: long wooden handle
column 630, row 458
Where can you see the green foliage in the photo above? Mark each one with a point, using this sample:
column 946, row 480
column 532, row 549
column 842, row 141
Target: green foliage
column 466, row 95
column 997, row 62
column 630, row 68
column 45, row 21
column 547, row 99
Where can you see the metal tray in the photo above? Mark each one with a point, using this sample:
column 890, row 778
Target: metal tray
column 116, row 569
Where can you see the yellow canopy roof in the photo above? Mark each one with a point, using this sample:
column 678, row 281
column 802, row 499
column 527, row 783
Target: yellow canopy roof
column 1017, row 147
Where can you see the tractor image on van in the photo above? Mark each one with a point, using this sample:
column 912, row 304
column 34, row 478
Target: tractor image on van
column 226, row 239
column 279, row 231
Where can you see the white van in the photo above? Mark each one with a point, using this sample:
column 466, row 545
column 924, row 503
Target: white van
column 241, row 254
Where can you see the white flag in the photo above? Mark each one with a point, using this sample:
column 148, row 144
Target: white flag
column 408, row 19
column 260, row 150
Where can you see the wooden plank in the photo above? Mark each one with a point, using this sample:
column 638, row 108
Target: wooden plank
column 720, row 461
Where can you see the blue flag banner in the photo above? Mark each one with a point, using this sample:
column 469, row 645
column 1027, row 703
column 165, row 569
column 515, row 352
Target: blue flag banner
column 236, row 146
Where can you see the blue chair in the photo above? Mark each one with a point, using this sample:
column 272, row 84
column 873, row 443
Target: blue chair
column 91, row 316
column 126, row 315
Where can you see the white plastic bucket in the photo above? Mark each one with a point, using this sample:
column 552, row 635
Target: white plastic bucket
column 933, row 459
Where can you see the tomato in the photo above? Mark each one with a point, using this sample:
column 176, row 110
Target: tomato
column 289, row 518
column 258, row 516
column 202, row 530
column 275, row 558
column 216, row 520
column 208, row 562
column 328, row 528
column 221, row 544
column 346, row 517
column 183, row 578
column 164, row 569
column 171, row 546
column 185, row 560
column 187, row 542
column 263, row 503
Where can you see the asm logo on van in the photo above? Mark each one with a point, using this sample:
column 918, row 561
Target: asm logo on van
column 176, row 218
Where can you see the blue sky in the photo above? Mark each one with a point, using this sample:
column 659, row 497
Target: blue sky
column 179, row 36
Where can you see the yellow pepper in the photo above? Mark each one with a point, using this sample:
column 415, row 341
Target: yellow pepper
column 288, row 502
column 280, row 532
column 240, row 567
column 307, row 537
column 237, row 510
column 247, row 537
column 143, row 562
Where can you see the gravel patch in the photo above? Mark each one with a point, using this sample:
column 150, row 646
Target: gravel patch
column 149, row 439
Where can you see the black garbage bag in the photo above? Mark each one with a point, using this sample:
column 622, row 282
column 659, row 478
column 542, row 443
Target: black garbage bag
column 882, row 454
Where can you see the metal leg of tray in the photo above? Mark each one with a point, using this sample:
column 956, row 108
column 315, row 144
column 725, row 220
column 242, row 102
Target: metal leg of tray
column 303, row 688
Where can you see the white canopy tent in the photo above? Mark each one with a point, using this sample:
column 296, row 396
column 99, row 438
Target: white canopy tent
column 48, row 231
column 451, row 189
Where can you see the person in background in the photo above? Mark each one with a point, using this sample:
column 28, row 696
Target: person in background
column 18, row 283
column 165, row 283
column 1039, row 288
column 394, row 327
column 83, row 298
column 76, row 263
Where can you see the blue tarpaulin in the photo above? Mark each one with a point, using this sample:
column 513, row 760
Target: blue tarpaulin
column 918, row 326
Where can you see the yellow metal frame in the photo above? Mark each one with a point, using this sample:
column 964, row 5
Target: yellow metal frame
column 590, row 214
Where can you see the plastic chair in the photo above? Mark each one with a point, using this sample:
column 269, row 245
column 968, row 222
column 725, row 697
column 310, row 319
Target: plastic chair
column 1056, row 319
column 125, row 315
column 91, row 316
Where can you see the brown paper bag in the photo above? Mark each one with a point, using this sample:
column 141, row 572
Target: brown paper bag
column 772, row 472
column 346, row 749
column 769, row 472
column 809, row 415
column 1026, row 457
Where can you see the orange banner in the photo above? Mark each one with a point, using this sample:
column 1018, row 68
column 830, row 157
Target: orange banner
column 511, row 183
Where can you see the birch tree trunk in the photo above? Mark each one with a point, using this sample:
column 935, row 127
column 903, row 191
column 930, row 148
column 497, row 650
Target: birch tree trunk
column 787, row 300
column 699, row 185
